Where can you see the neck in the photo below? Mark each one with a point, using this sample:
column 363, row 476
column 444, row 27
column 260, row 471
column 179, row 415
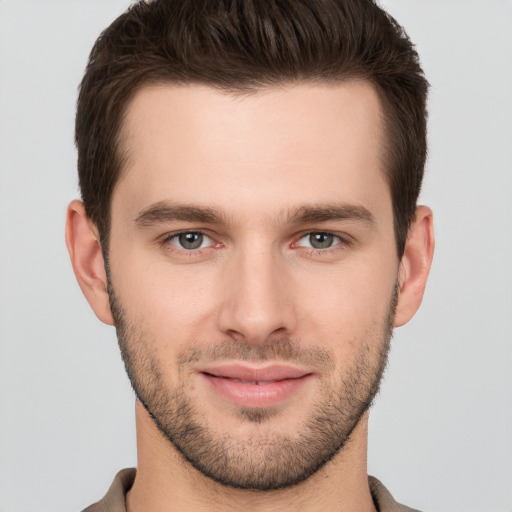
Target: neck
column 165, row 482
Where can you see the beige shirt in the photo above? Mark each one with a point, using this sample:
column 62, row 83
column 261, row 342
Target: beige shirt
column 114, row 500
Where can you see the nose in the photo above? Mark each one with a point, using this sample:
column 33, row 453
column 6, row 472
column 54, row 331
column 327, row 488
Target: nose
column 256, row 299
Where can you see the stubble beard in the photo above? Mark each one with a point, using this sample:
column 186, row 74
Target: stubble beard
column 269, row 460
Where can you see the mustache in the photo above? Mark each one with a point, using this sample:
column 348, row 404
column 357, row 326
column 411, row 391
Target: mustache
column 272, row 350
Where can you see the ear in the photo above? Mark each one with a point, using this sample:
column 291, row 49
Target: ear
column 82, row 240
column 415, row 265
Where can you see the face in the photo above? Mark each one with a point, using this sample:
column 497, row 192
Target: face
column 253, row 272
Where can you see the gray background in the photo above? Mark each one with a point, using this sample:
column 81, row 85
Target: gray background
column 441, row 431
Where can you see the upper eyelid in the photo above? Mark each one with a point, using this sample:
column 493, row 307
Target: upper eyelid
column 168, row 236
column 297, row 236
column 341, row 235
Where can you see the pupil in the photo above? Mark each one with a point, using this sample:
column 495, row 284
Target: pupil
column 191, row 240
column 321, row 240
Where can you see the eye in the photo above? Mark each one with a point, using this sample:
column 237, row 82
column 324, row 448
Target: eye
column 319, row 240
column 190, row 240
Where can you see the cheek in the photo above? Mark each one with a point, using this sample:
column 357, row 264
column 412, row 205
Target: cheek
column 165, row 314
column 345, row 306
column 171, row 302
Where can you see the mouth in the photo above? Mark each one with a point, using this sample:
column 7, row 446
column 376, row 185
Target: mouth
column 247, row 386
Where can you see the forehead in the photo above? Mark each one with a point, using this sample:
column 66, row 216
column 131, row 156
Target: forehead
column 279, row 146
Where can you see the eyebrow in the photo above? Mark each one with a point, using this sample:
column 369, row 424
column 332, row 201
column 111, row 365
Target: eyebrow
column 323, row 213
column 164, row 211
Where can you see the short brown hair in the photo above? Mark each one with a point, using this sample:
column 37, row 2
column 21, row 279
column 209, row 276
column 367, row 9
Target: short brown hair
column 245, row 45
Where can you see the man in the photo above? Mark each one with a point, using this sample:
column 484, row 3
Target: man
column 249, row 174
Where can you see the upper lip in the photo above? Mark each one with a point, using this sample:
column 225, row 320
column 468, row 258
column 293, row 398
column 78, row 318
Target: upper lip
column 249, row 373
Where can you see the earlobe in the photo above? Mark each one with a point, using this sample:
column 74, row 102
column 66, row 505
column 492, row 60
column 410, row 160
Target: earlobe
column 84, row 249
column 415, row 265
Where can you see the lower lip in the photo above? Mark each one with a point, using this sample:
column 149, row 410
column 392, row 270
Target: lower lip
column 255, row 395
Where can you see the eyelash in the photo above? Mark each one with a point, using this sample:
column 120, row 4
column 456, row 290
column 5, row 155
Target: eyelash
column 342, row 241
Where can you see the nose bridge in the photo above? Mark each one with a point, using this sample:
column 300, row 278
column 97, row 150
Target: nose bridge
column 256, row 303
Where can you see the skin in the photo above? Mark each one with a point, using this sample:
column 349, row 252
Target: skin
column 256, row 160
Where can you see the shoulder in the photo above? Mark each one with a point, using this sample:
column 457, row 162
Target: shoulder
column 383, row 500
column 114, row 500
